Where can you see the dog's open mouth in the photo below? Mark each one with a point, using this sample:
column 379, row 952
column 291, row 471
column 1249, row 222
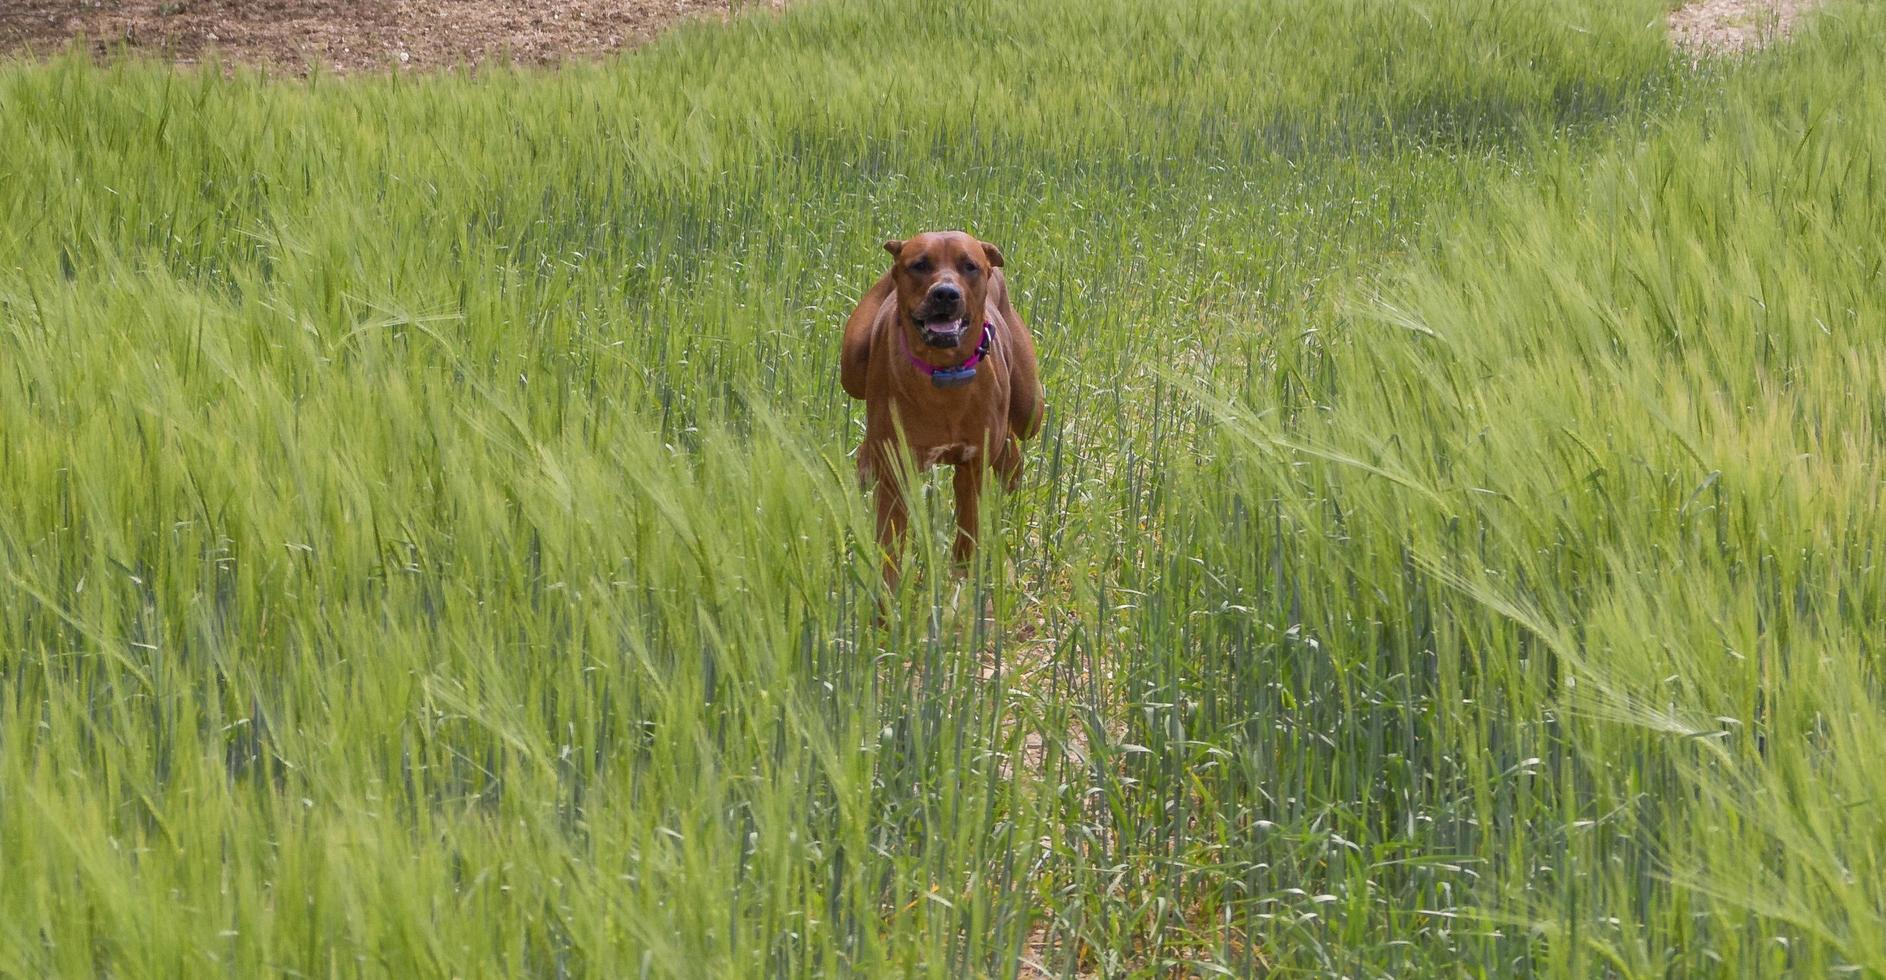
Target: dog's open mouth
column 942, row 332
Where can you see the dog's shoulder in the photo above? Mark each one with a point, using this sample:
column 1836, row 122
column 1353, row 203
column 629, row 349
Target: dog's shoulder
column 854, row 355
column 1026, row 397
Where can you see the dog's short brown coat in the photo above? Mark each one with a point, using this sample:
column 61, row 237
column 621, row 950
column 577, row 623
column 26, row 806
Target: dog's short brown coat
column 976, row 427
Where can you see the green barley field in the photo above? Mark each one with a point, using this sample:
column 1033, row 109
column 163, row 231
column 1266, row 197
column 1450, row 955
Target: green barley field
column 1456, row 546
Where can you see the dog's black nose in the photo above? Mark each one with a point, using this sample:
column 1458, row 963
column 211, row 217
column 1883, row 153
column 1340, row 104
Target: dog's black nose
column 945, row 293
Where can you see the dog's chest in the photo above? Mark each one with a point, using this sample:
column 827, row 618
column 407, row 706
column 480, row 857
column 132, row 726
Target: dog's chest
column 953, row 454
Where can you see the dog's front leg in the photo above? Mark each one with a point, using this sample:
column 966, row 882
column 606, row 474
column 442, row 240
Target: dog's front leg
column 893, row 517
column 968, row 508
column 1008, row 463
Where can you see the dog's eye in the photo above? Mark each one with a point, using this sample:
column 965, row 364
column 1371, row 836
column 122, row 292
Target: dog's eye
column 921, row 266
column 970, row 269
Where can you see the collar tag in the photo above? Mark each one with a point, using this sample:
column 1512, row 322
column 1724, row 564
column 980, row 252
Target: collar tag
column 955, row 377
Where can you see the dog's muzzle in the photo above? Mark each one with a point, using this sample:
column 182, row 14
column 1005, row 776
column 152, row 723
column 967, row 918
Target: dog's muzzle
column 941, row 332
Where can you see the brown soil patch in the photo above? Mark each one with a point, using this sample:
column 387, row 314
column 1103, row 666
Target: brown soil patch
column 366, row 35
column 1719, row 27
column 350, row 35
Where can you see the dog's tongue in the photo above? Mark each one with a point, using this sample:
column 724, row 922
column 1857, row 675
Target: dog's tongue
column 944, row 328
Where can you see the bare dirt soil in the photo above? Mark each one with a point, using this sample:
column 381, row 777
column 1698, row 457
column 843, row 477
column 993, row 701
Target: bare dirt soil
column 1721, row 27
column 343, row 36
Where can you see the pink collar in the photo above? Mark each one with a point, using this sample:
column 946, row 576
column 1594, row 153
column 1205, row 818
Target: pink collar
column 951, row 377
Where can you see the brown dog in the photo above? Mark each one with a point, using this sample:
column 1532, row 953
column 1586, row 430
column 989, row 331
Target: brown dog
column 936, row 348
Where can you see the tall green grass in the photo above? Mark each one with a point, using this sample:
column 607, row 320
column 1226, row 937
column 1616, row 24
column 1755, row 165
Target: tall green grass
column 1545, row 581
column 429, row 547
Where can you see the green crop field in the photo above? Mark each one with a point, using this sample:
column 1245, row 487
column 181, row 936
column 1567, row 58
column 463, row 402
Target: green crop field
column 1456, row 546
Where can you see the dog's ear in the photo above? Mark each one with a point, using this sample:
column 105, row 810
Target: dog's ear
column 994, row 254
column 894, row 246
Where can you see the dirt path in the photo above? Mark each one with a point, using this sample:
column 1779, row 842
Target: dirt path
column 350, row 35
column 1722, row 27
column 366, row 35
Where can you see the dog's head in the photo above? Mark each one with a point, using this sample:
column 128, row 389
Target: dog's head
column 942, row 280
